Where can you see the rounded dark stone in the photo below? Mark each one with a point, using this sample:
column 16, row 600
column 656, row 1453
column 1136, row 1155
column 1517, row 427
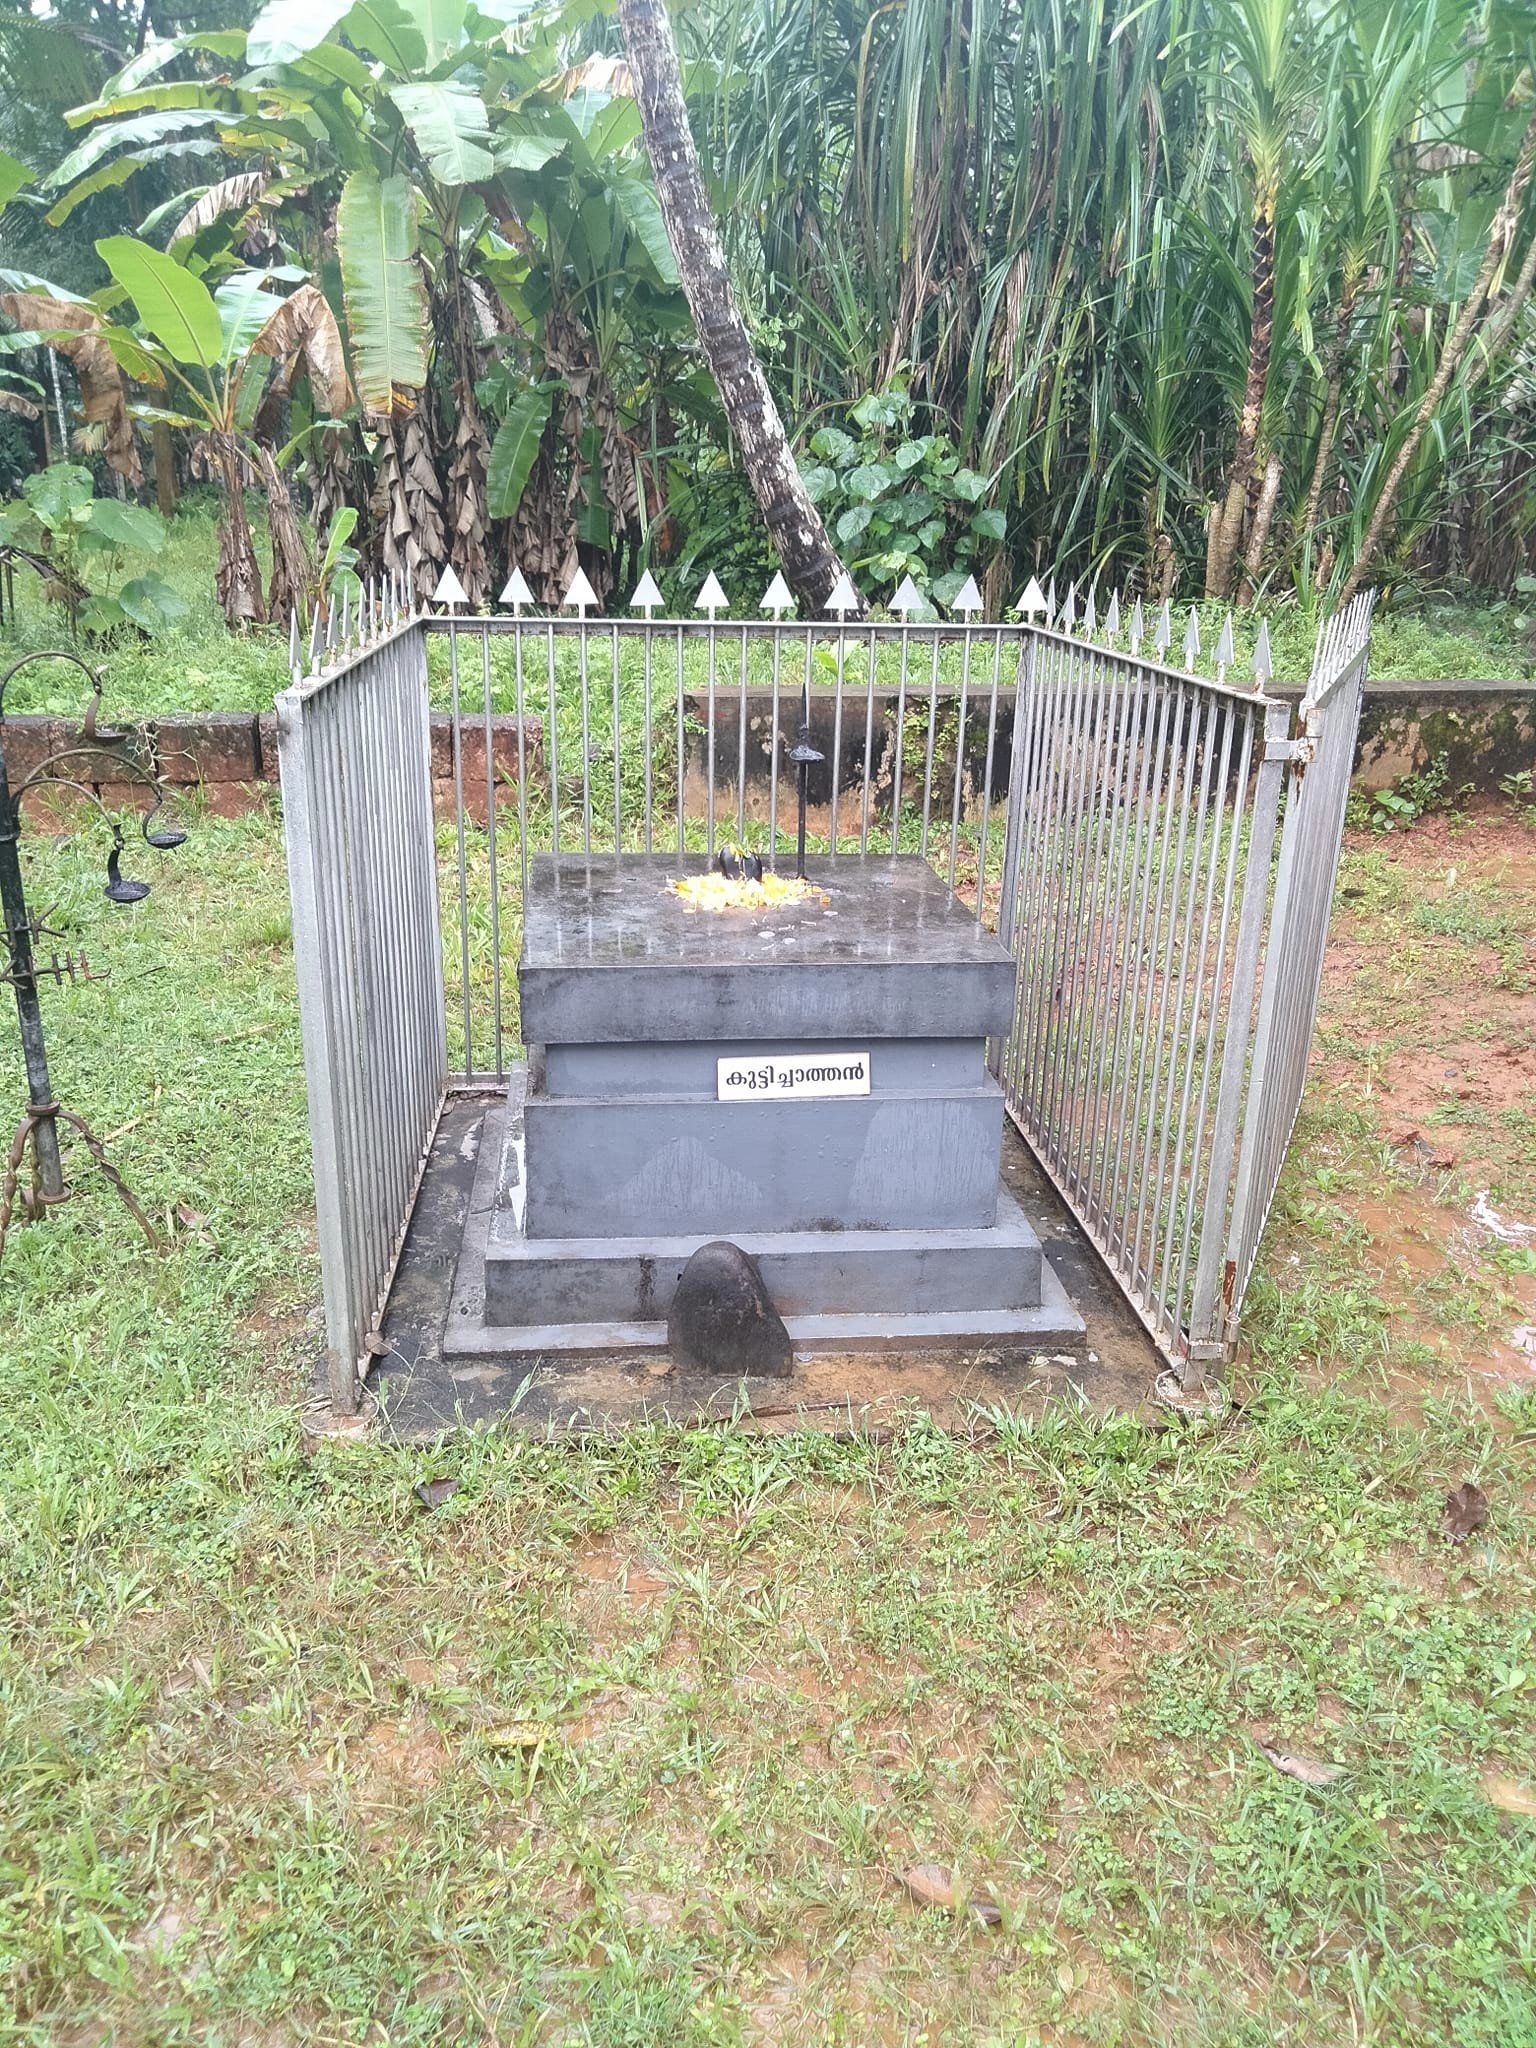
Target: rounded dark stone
column 722, row 1320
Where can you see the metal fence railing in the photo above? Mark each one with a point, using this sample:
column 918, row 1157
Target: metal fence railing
column 1156, row 848
column 354, row 754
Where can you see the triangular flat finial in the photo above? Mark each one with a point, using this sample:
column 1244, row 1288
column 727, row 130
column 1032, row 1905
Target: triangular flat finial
column 1069, row 609
column 967, row 598
column 1191, row 639
column 647, row 595
column 1138, row 631
column 778, row 597
column 1033, row 600
column 516, row 591
column 1091, row 611
column 581, row 593
column 449, row 589
column 1112, row 616
column 908, row 598
column 711, row 597
column 1162, row 639
column 844, row 598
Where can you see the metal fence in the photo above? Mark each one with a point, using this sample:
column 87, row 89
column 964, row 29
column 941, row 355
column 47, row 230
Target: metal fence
column 1158, row 849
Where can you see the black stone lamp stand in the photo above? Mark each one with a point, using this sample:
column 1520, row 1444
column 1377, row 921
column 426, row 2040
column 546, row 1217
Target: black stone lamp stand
column 39, row 1126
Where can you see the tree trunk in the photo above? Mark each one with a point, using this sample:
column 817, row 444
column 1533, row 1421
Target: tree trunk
column 1330, row 420
column 288, row 589
column 165, row 468
column 1258, row 535
column 238, row 577
column 1500, row 236
column 1261, row 339
column 811, row 563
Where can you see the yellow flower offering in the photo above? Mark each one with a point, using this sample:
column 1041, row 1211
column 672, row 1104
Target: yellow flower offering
column 714, row 891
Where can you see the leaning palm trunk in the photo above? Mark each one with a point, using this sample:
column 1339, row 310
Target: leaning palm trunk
column 1501, row 235
column 811, row 563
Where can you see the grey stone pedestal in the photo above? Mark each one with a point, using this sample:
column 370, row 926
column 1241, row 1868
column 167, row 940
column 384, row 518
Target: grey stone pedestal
column 875, row 1219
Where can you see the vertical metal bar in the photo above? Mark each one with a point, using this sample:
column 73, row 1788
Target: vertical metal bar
column 490, row 829
column 837, row 742
column 586, row 732
column 965, row 684
column 618, row 777
column 646, row 635
column 554, row 748
column 901, row 734
column 741, row 748
column 709, row 839
column 456, row 737
column 933, row 719
column 681, row 737
column 773, row 755
column 986, row 780
column 522, row 782
column 869, row 742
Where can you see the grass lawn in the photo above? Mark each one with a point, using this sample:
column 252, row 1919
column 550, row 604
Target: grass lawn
column 629, row 1742
column 201, row 667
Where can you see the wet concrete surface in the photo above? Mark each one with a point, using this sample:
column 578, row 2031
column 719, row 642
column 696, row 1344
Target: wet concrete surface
column 420, row 1395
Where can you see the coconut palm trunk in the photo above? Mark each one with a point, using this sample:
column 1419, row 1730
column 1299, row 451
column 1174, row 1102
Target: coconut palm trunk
column 1228, row 520
column 811, row 563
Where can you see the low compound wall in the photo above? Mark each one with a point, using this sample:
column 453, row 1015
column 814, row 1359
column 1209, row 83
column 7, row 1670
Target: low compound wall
column 229, row 758
column 1484, row 733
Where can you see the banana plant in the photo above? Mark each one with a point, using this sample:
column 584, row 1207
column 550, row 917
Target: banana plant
column 210, row 353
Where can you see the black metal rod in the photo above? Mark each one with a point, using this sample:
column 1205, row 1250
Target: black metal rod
column 29, row 1012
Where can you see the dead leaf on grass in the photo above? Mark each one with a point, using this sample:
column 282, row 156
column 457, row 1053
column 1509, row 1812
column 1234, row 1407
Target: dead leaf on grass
column 193, row 1221
column 1306, row 1770
column 433, row 1492
column 1466, row 1509
column 931, row 1885
column 1510, row 1795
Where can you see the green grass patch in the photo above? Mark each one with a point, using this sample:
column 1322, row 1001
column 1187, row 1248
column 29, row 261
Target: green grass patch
column 626, row 1743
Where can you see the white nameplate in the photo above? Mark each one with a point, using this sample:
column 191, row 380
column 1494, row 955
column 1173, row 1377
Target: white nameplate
column 792, row 1077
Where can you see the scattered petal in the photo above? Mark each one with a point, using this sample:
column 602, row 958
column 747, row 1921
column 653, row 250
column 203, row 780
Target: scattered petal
column 1466, row 1509
column 931, row 1885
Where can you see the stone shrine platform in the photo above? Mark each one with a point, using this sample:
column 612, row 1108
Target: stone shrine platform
column 808, row 1081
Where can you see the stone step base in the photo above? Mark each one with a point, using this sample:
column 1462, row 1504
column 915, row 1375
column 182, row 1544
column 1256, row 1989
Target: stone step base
column 837, row 1291
column 807, row 1273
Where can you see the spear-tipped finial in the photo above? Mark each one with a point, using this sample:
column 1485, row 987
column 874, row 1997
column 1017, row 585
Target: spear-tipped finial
column 647, row 595
column 1263, row 660
column 581, row 594
column 1091, row 611
column 778, row 597
column 711, row 597
column 293, row 643
column 1191, row 640
column 1224, row 649
column 1162, row 639
column 1138, row 631
column 1050, row 601
column 1069, row 609
column 516, row 593
column 1112, row 617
